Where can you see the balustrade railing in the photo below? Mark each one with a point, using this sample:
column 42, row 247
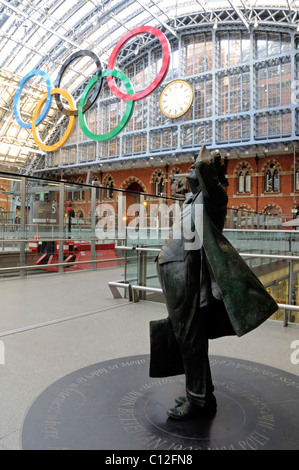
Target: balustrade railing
column 51, row 226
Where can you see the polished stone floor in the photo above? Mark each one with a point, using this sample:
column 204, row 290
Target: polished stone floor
column 52, row 326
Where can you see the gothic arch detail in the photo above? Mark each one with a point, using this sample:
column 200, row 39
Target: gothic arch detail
column 108, row 178
column 80, row 213
column 272, row 171
column 132, row 179
column 242, row 175
column 109, row 185
column 242, row 164
column 269, row 206
column 246, row 207
column 176, row 170
column 156, row 173
column 157, row 181
column 269, row 162
column 78, row 180
column 96, row 179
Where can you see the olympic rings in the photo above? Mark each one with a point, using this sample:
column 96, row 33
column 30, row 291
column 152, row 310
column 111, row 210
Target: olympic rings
column 91, row 91
column 51, row 148
column 48, row 101
column 165, row 63
column 126, row 117
column 96, row 91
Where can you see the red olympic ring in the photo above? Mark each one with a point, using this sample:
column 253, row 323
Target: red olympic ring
column 163, row 71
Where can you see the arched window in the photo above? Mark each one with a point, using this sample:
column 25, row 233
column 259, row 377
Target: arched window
column 272, row 179
column 276, row 181
column 81, row 193
column 247, row 182
column 271, row 210
column 109, row 188
column 95, row 182
column 268, row 181
column 244, row 181
column 241, row 182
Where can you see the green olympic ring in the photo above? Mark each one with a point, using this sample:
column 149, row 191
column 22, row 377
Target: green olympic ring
column 128, row 111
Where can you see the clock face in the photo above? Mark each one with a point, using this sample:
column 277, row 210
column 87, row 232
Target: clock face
column 176, row 98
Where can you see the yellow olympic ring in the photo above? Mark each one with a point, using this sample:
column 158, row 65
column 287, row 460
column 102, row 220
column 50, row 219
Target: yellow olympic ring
column 70, row 127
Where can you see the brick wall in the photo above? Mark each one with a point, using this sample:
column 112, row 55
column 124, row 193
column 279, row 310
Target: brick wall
column 257, row 199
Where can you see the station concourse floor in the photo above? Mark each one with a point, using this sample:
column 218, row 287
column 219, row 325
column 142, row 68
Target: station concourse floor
column 53, row 325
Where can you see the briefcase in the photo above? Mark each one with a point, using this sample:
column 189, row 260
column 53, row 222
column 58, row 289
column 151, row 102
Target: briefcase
column 165, row 357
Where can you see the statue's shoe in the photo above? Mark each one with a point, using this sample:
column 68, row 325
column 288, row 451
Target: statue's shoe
column 188, row 410
column 180, row 400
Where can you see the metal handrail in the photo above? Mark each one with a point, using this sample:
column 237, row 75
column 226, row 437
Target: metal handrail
column 257, row 255
column 54, row 265
column 289, row 307
column 248, row 255
column 285, row 307
column 137, row 248
column 38, row 240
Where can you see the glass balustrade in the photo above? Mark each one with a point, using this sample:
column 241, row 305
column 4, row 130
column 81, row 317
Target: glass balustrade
column 50, row 227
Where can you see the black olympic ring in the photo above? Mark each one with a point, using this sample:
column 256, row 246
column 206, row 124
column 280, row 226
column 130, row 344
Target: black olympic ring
column 96, row 90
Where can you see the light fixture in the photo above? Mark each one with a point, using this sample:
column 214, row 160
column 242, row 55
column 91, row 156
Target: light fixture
column 256, row 23
column 215, row 24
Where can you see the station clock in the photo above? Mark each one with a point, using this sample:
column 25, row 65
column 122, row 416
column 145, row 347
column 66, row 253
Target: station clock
column 176, row 98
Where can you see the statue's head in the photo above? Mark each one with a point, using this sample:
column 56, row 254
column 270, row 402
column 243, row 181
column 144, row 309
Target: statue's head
column 220, row 168
column 207, row 156
column 193, row 180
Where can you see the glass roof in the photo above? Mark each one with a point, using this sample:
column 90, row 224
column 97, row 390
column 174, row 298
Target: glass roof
column 44, row 33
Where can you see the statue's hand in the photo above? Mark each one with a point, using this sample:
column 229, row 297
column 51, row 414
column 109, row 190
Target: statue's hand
column 217, row 161
column 204, row 156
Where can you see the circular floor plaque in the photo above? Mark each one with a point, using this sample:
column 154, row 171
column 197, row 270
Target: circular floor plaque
column 115, row 405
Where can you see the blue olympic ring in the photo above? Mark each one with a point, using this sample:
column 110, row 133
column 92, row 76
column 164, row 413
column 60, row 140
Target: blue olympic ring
column 47, row 104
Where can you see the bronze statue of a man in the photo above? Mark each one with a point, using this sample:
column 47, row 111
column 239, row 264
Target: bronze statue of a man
column 209, row 290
